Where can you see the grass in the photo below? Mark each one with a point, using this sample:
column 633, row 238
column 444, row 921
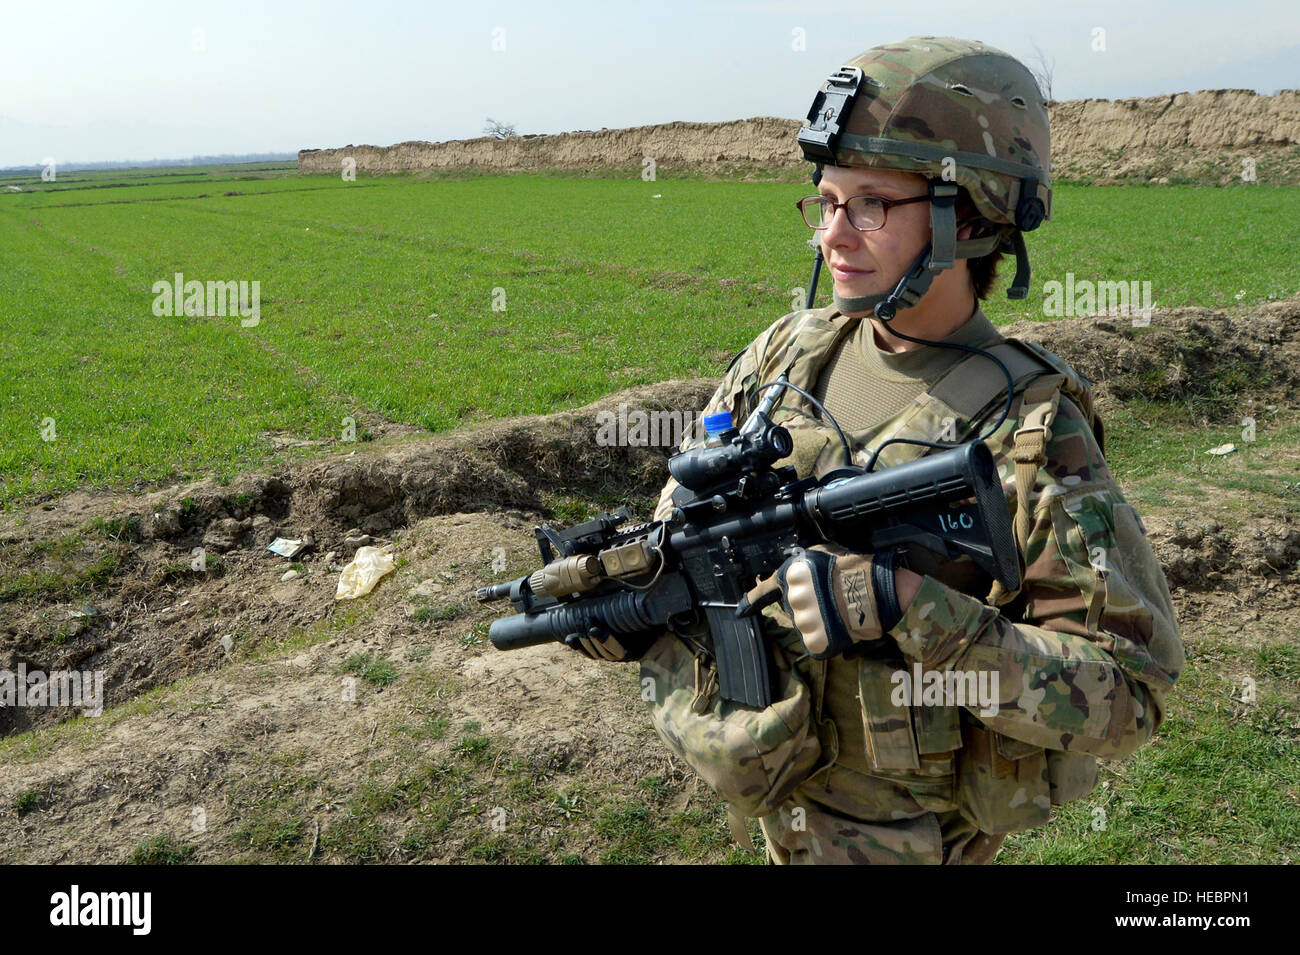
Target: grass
column 81, row 732
column 375, row 671
column 59, row 569
column 117, row 528
column 1162, row 460
column 162, row 850
column 28, row 801
column 438, row 614
column 437, row 789
column 476, row 636
column 1219, row 785
column 184, row 570
column 368, row 312
column 432, row 728
column 482, row 801
column 271, row 807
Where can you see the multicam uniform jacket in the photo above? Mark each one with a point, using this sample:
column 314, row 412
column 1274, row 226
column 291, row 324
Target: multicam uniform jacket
column 1084, row 655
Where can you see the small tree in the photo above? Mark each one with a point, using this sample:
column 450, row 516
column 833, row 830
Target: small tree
column 498, row 130
column 1043, row 69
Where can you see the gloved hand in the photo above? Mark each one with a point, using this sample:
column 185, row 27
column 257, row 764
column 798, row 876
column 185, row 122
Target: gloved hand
column 620, row 649
column 836, row 598
column 607, row 649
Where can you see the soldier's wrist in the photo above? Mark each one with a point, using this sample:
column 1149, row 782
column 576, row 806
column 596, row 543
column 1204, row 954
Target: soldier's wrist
column 906, row 583
column 940, row 623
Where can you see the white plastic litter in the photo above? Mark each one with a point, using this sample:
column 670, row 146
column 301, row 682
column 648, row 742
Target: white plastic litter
column 1222, row 449
column 285, row 547
column 360, row 576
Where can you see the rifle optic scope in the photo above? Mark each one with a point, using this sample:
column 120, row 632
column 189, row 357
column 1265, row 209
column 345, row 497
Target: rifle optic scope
column 702, row 468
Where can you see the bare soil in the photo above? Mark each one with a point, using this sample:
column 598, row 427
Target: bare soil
column 229, row 674
column 153, row 619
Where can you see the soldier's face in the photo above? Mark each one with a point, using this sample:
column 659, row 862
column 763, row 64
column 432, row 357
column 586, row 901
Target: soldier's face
column 871, row 263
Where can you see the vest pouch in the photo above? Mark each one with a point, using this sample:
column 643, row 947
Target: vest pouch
column 753, row 759
column 1071, row 776
column 1002, row 783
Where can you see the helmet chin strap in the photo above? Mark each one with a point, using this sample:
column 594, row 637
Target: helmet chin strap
column 941, row 253
column 909, row 290
column 856, row 303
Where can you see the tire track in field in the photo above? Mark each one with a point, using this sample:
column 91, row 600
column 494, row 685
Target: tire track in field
column 649, row 278
column 367, row 417
column 119, row 265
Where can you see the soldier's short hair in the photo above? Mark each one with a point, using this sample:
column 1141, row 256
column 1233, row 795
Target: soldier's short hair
column 984, row 270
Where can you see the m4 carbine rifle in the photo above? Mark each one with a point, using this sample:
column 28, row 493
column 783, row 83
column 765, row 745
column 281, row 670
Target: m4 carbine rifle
column 736, row 519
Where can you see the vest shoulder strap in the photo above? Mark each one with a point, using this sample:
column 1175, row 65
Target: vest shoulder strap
column 972, row 387
column 973, row 384
column 970, row 390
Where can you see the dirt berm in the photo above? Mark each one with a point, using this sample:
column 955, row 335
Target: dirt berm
column 230, row 733
column 101, row 581
column 1208, row 136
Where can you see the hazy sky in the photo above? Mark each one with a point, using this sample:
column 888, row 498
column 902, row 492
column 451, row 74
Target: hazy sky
column 86, row 81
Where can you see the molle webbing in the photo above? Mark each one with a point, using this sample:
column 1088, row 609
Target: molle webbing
column 971, row 391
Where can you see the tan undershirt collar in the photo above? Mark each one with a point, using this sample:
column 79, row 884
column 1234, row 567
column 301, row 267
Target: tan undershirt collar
column 926, row 363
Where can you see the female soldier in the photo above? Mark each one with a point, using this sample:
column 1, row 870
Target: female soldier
column 933, row 156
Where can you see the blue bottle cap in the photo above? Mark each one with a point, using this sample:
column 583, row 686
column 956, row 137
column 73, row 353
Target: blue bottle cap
column 718, row 423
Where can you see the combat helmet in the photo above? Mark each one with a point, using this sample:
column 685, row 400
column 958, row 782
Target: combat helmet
column 958, row 112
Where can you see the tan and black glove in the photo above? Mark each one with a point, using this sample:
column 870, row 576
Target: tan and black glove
column 837, row 599
column 624, row 648
column 597, row 649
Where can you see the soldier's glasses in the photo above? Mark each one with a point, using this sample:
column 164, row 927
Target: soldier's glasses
column 866, row 213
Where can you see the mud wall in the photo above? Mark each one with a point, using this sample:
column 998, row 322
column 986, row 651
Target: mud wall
column 1202, row 136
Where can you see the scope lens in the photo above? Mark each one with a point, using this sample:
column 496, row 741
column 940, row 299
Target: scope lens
column 781, row 441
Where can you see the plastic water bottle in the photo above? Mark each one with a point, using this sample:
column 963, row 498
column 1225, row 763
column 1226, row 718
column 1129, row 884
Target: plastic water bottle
column 714, row 426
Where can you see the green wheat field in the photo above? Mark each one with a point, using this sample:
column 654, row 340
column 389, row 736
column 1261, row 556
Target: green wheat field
column 378, row 296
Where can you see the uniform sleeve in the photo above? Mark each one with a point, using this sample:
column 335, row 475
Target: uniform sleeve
column 1089, row 668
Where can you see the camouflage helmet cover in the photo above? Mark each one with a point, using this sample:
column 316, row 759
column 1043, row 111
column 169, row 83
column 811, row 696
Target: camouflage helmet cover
column 950, row 109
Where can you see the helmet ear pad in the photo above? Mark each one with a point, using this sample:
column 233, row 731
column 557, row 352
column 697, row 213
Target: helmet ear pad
column 1030, row 211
